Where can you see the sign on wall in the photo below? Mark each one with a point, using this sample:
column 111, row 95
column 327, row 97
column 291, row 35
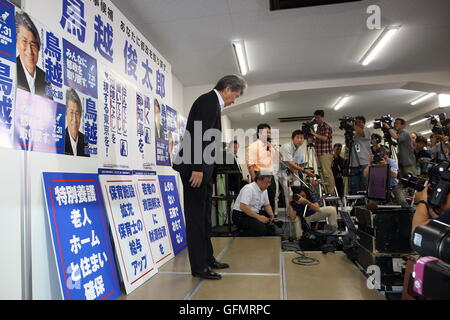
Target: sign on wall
column 128, row 228
column 79, row 227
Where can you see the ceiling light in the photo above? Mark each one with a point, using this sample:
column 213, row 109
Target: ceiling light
column 371, row 124
column 262, row 108
column 419, row 121
column 444, row 100
column 241, row 56
column 425, row 132
column 376, row 47
column 423, row 98
column 341, row 102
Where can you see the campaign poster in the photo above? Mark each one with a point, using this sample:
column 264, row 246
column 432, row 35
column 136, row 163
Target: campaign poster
column 80, row 69
column 114, row 146
column 7, row 31
column 161, row 135
column 128, row 228
column 7, row 102
column 174, row 214
column 145, row 128
column 154, row 218
column 83, row 252
column 39, row 123
column 172, row 130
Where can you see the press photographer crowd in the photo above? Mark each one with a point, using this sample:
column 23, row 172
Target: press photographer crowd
column 395, row 185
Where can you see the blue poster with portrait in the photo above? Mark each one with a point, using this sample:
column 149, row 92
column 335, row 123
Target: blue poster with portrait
column 7, row 31
column 80, row 69
column 81, row 240
column 174, row 214
column 39, row 123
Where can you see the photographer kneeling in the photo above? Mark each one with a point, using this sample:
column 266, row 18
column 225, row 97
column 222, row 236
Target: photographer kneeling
column 381, row 158
column 252, row 211
column 302, row 200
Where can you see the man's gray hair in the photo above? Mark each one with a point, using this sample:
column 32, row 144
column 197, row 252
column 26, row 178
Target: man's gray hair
column 236, row 83
column 72, row 95
column 24, row 20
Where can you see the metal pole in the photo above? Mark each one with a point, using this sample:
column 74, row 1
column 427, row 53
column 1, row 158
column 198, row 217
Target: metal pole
column 25, row 230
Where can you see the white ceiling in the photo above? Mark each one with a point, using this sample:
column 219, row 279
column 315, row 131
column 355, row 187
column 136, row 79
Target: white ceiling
column 316, row 43
column 370, row 104
column 291, row 45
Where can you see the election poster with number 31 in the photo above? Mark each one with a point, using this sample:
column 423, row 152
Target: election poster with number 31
column 83, row 252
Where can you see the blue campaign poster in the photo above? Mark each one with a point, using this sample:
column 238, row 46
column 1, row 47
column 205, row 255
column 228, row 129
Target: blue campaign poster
column 81, row 239
column 7, row 31
column 39, row 123
column 174, row 214
column 80, row 69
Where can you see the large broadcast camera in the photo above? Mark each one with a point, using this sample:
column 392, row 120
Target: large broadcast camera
column 378, row 124
column 432, row 270
column 438, row 179
column 439, row 123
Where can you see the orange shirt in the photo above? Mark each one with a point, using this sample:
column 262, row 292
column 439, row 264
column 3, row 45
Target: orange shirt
column 259, row 158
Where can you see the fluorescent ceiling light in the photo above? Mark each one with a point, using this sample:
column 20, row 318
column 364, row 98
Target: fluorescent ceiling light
column 423, row 98
column 241, row 56
column 262, row 108
column 341, row 102
column 444, row 100
column 419, row 121
column 371, row 124
column 376, row 47
column 425, row 132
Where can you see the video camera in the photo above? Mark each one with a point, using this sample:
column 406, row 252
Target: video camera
column 439, row 123
column 432, row 270
column 307, row 127
column 438, row 179
column 378, row 124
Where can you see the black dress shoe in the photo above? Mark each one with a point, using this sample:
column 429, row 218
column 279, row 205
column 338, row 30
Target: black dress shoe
column 218, row 265
column 207, row 274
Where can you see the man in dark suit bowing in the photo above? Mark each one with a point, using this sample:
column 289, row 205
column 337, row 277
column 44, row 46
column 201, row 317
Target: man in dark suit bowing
column 75, row 144
column 196, row 164
column 29, row 76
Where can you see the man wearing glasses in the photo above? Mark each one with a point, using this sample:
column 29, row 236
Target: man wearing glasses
column 29, row 76
column 252, row 212
column 74, row 144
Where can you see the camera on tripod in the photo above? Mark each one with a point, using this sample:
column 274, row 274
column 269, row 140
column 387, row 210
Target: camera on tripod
column 439, row 123
column 347, row 123
column 378, row 124
column 438, row 179
column 307, row 127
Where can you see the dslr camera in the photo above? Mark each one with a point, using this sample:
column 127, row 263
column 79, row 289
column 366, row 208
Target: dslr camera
column 438, row 179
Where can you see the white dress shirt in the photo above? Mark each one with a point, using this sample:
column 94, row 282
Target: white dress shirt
column 31, row 80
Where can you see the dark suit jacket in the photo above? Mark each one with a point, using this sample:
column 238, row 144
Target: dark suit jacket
column 207, row 110
column 235, row 180
column 39, row 84
column 81, row 145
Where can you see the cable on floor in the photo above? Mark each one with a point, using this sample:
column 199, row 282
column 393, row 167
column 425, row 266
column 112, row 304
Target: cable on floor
column 303, row 260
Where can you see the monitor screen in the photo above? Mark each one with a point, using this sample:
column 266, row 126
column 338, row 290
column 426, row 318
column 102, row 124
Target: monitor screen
column 378, row 183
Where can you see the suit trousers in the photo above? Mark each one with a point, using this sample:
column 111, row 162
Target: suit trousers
column 197, row 211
